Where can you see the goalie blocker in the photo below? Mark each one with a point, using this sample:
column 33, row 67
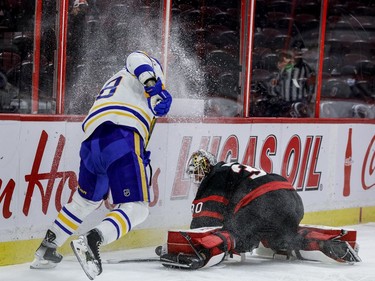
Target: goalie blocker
column 208, row 246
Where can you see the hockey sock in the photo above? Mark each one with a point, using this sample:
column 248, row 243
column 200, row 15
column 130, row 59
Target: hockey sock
column 71, row 216
column 120, row 221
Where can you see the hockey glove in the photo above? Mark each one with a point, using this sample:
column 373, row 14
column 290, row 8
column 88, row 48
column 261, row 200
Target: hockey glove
column 160, row 103
column 154, row 90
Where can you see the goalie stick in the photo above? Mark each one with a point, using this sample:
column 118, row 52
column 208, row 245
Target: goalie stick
column 166, row 263
column 315, row 257
column 136, row 260
column 183, row 261
column 188, row 239
column 158, row 251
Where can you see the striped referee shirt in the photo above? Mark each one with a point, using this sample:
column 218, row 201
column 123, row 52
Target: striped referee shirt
column 293, row 83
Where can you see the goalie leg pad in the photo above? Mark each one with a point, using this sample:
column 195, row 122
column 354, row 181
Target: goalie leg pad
column 209, row 244
column 320, row 243
column 336, row 243
column 340, row 251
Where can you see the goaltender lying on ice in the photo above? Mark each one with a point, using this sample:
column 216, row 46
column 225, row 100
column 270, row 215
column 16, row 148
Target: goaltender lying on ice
column 239, row 209
column 208, row 246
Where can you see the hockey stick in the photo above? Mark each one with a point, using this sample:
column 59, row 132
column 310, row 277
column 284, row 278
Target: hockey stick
column 201, row 260
column 152, row 125
column 137, row 260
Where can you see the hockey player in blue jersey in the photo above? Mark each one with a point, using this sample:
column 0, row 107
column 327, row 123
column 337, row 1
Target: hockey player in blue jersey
column 113, row 163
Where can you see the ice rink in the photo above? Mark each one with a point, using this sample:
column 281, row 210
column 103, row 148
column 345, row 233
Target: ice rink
column 253, row 268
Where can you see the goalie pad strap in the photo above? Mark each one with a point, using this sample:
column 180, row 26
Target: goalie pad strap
column 211, row 241
column 218, row 239
column 225, row 242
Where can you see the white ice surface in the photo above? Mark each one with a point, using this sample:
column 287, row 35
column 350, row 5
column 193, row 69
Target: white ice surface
column 252, row 269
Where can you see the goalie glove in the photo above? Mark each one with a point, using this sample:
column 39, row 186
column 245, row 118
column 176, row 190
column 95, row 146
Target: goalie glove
column 196, row 248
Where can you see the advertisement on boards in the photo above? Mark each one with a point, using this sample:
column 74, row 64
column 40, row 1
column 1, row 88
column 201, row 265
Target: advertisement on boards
column 331, row 165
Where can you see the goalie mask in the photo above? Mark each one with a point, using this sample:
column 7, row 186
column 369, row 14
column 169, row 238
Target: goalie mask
column 200, row 164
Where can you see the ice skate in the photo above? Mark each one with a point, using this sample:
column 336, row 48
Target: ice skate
column 341, row 251
column 46, row 255
column 86, row 249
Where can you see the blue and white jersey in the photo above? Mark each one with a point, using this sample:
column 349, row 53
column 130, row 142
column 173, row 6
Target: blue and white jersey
column 122, row 99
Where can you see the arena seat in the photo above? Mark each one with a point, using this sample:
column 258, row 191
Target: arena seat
column 8, row 60
column 222, row 59
column 336, row 88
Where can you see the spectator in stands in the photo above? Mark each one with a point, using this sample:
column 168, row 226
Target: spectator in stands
column 48, row 40
column 295, row 83
column 5, row 20
column 76, row 30
column 7, row 93
column 76, row 50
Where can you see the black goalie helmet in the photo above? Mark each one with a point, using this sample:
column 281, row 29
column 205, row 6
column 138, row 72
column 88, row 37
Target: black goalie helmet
column 200, row 164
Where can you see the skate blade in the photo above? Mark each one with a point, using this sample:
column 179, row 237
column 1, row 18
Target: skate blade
column 79, row 248
column 42, row 264
column 353, row 254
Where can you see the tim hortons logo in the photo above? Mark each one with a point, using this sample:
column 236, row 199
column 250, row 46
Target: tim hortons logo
column 36, row 180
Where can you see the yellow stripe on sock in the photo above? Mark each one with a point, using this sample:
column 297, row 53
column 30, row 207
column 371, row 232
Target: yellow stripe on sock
column 67, row 222
column 122, row 222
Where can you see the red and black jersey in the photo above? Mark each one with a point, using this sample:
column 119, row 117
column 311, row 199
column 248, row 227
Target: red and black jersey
column 246, row 201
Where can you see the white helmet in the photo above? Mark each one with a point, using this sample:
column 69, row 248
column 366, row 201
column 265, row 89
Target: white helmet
column 200, row 164
column 78, row 3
